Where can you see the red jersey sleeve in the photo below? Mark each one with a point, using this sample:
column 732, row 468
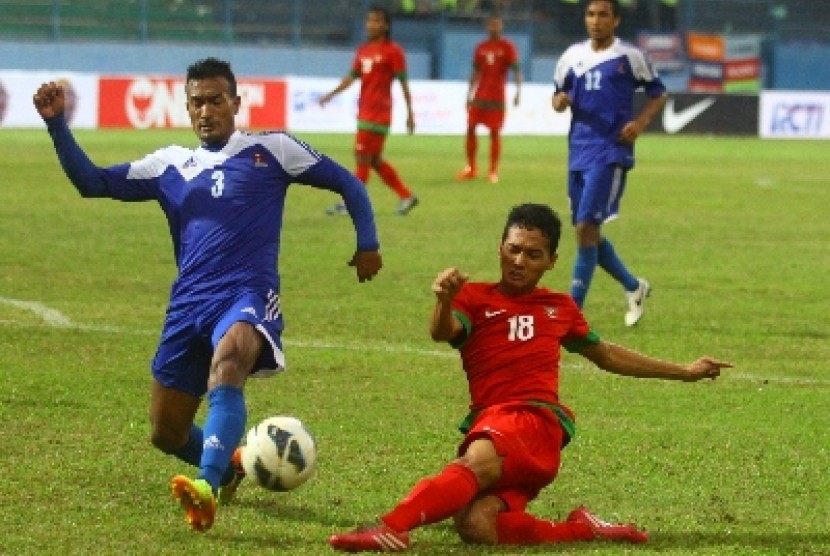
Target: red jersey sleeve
column 399, row 62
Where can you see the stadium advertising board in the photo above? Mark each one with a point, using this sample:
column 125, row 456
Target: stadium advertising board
column 705, row 113
column 144, row 102
column 439, row 107
column 17, row 88
column 794, row 115
column 665, row 50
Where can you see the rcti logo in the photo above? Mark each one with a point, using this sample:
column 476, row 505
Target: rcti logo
column 797, row 119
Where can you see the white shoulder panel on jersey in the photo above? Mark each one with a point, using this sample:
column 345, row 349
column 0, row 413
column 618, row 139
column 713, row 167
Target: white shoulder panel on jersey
column 565, row 63
column 640, row 66
column 293, row 155
column 153, row 165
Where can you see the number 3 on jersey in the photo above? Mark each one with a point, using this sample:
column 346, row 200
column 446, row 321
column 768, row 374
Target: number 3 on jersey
column 521, row 328
column 218, row 177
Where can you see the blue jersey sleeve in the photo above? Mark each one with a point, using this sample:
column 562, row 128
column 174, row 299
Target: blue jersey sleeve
column 89, row 179
column 327, row 174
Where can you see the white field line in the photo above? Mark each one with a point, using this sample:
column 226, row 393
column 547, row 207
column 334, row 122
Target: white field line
column 51, row 318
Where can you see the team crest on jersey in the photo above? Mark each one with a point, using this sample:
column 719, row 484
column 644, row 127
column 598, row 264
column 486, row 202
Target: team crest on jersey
column 621, row 68
column 551, row 312
column 259, row 160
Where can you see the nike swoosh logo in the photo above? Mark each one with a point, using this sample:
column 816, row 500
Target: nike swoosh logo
column 675, row 121
column 489, row 314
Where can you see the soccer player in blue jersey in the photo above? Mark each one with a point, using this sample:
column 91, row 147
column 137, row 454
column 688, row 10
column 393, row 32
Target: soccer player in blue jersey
column 224, row 202
column 596, row 79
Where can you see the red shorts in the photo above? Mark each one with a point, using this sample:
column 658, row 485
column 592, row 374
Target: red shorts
column 494, row 119
column 369, row 143
column 529, row 439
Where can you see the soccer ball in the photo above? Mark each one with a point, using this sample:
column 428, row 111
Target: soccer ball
column 279, row 454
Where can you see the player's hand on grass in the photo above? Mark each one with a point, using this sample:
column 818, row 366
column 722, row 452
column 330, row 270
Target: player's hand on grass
column 49, row 100
column 367, row 264
column 448, row 283
column 706, row 367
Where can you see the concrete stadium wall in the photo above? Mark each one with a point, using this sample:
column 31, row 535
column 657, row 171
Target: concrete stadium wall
column 796, row 67
column 173, row 59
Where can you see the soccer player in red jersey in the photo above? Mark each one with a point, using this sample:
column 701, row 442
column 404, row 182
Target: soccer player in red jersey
column 492, row 61
column 509, row 335
column 378, row 62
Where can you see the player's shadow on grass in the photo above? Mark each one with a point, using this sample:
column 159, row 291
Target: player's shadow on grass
column 289, row 510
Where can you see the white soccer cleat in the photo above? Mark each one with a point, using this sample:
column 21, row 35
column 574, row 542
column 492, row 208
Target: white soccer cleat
column 406, row 205
column 636, row 302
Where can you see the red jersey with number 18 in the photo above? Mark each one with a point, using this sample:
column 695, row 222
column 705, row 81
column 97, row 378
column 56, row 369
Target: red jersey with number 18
column 511, row 350
column 377, row 64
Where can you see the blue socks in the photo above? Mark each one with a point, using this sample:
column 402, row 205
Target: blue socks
column 192, row 451
column 586, row 262
column 611, row 263
column 587, row 259
column 224, row 427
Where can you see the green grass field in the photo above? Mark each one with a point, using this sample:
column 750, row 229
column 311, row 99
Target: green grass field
column 732, row 233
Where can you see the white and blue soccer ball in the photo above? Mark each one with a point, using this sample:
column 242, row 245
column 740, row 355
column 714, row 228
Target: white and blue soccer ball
column 280, row 453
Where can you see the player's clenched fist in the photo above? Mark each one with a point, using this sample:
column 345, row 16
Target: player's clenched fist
column 49, row 100
column 448, row 283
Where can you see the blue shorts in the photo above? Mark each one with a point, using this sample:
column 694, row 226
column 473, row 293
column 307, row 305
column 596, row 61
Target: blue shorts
column 595, row 193
column 193, row 330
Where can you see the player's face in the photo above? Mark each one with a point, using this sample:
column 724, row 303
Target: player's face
column 495, row 27
column 525, row 257
column 376, row 26
column 600, row 22
column 212, row 109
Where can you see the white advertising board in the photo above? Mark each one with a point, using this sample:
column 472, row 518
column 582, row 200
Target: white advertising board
column 439, row 108
column 794, row 115
column 18, row 87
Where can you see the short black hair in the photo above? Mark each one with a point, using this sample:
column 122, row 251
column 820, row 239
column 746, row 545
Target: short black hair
column 616, row 9
column 533, row 216
column 383, row 13
column 212, row 67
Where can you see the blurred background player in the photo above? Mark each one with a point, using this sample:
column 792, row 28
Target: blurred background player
column 597, row 78
column 378, row 62
column 224, row 203
column 509, row 335
column 492, row 61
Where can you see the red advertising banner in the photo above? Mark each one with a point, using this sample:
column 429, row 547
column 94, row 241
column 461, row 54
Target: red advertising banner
column 144, row 102
column 738, row 70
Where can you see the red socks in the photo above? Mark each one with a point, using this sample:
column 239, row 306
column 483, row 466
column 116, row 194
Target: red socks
column 523, row 528
column 434, row 499
column 471, row 148
column 495, row 150
column 362, row 173
column 390, row 178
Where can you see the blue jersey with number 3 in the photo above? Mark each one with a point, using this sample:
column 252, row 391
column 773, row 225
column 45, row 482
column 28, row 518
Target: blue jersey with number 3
column 224, row 206
column 601, row 86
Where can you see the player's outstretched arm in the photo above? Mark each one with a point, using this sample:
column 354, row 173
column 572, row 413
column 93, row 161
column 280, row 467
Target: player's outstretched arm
column 50, row 102
column 444, row 326
column 344, row 84
column 623, row 361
